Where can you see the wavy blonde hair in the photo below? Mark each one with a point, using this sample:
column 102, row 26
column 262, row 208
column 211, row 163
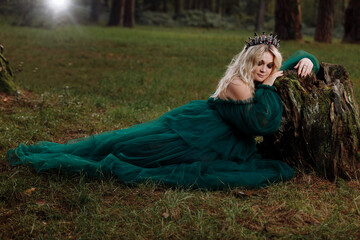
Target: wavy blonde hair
column 243, row 64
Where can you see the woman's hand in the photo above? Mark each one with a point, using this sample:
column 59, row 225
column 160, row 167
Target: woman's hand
column 271, row 79
column 304, row 67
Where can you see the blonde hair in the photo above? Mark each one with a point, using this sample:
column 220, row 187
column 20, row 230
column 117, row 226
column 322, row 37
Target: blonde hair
column 243, row 64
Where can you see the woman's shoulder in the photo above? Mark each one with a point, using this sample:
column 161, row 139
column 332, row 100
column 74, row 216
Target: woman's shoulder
column 237, row 90
column 219, row 101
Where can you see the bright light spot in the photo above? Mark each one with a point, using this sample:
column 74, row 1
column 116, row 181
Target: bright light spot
column 58, row 5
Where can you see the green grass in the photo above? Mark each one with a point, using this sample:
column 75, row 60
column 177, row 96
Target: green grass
column 80, row 81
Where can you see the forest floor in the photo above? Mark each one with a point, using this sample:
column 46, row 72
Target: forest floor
column 79, row 81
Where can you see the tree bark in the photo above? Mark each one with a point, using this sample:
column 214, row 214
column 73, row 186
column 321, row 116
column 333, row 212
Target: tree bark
column 200, row 4
column 3, row 2
column 288, row 19
column 115, row 13
column 207, row 4
column 122, row 13
column 165, row 8
column 187, row 4
column 260, row 17
column 219, row 7
column 320, row 128
column 352, row 22
column 193, row 5
column 325, row 21
column 106, row 4
column 129, row 14
column 95, row 10
column 177, row 6
column 7, row 84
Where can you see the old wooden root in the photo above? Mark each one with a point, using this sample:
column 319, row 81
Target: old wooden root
column 7, row 84
column 320, row 126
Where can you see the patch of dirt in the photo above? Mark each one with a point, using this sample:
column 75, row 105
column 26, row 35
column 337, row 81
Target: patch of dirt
column 22, row 98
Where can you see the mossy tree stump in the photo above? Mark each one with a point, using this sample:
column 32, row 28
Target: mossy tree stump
column 320, row 125
column 7, row 84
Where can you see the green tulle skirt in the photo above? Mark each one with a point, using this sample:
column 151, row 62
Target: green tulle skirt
column 190, row 146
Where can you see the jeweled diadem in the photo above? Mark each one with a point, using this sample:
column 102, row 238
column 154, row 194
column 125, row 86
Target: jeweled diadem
column 263, row 39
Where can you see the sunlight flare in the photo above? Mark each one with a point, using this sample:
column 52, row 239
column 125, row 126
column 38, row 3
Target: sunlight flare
column 58, row 5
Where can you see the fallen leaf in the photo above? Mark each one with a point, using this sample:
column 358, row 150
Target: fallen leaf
column 29, row 191
column 166, row 215
column 40, row 202
column 239, row 194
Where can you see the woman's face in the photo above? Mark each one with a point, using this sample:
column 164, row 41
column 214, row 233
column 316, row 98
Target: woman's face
column 264, row 67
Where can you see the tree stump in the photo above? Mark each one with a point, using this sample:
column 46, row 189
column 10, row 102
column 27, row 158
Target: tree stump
column 320, row 125
column 7, row 84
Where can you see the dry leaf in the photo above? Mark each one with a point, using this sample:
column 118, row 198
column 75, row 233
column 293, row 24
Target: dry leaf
column 166, row 215
column 239, row 194
column 29, row 191
column 40, row 202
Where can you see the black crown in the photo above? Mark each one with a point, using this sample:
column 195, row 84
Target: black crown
column 263, row 39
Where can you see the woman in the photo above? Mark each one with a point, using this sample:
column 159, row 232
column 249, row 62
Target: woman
column 203, row 144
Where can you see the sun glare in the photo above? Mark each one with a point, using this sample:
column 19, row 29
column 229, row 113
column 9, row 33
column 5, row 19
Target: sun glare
column 58, row 5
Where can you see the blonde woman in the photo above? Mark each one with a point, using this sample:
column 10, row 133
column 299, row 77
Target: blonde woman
column 203, row 144
column 258, row 64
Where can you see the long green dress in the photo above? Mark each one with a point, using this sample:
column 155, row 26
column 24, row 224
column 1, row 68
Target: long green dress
column 203, row 144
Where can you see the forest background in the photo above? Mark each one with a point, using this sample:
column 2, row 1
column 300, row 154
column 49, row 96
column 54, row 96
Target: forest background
column 228, row 14
column 78, row 76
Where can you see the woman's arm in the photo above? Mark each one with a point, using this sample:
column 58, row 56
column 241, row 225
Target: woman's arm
column 298, row 60
column 257, row 116
column 304, row 67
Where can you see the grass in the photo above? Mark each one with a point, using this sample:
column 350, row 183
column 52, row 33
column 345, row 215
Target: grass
column 79, row 81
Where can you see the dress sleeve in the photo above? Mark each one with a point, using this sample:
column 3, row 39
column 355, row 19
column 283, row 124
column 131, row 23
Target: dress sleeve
column 259, row 116
column 296, row 57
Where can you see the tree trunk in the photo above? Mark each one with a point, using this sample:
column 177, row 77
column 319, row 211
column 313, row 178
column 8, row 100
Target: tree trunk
column 352, row 22
column 213, row 6
column 325, row 21
column 207, row 4
column 200, row 4
column 3, row 2
column 122, row 13
column 288, row 19
column 227, row 8
column 106, row 4
column 115, row 13
column 26, row 10
column 7, row 84
column 320, row 128
column 219, row 7
column 165, row 8
column 187, row 4
column 193, row 5
column 177, row 6
column 95, row 10
column 260, row 17
column 129, row 15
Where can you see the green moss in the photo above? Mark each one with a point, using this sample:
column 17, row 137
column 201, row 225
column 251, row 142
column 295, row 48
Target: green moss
column 7, row 84
column 311, row 129
column 290, row 82
column 338, row 72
